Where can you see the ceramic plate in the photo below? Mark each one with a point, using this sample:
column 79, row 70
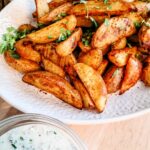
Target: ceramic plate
column 30, row 100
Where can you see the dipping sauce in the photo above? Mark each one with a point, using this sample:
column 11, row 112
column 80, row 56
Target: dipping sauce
column 36, row 137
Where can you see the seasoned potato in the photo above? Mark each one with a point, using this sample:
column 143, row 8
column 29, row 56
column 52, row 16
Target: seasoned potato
column 101, row 69
column 41, row 7
column 112, row 30
column 25, row 27
column 68, row 46
column 99, row 8
column 83, row 47
column 120, row 44
column 49, row 52
column 87, row 101
column 94, row 84
column 83, row 21
column 132, row 74
column 120, row 57
column 26, row 51
column 53, row 31
column 146, row 72
column 92, row 58
column 56, row 13
column 22, row 65
column 53, row 68
column 56, row 85
column 113, row 78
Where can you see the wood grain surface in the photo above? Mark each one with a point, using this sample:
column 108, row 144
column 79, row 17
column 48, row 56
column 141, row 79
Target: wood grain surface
column 131, row 134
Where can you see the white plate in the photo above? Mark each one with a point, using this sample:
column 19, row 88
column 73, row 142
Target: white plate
column 30, row 100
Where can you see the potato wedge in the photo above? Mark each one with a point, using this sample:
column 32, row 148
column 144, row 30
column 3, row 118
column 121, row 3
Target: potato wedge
column 68, row 46
column 87, row 101
column 56, row 85
column 111, row 31
column 69, row 60
column 41, row 7
column 113, row 78
column 49, row 52
column 53, row 31
column 101, row 69
column 120, row 57
column 53, row 68
column 94, row 84
column 120, row 44
column 26, row 27
column 86, row 22
column 99, row 8
column 22, row 65
column 132, row 74
column 26, row 51
column 56, row 14
column 92, row 58
column 146, row 72
column 83, row 47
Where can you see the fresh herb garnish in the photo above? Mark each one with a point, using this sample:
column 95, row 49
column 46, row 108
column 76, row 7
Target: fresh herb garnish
column 79, row 2
column 64, row 35
column 146, row 23
column 105, row 1
column 94, row 22
column 129, row 45
column 50, row 37
column 40, row 25
column 109, row 7
column 21, row 138
column 14, row 146
column 106, row 22
column 137, row 24
column 87, row 36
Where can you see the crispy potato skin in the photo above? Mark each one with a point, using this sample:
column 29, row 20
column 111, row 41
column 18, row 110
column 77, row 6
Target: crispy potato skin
column 92, row 58
column 146, row 72
column 49, row 52
column 87, row 101
column 117, row 28
column 26, row 51
column 56, row 85
column 83, row 47
column 41, row 8
column 68, row 46
column 22, row 65
column 53, row 30
column 113, row 78
column 53, row 68
column 101, row 69
column 132, row 74
column 120, row 57
column 99, row 8
column 120, row 44
column 54, row 14
column 94, row 84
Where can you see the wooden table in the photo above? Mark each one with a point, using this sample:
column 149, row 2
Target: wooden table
column 127, row 135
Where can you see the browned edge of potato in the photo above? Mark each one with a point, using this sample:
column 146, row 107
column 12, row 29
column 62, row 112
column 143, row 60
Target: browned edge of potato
column 102, row 67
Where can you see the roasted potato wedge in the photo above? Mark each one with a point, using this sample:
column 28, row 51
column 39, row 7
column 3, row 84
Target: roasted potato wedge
column 53, row 68
column 49, row 52
column 22, row 65
column 53, row 31
column 111, row 31
column 92, row 58
column 146, row 72
column 56, row 85
column 120, row 57
column 87, row 100
column 113, row 78
column 26, row 27
column 94, row 84
column 83, row 47
column 42, row 7
column 26, row 51
column 69, row 60
column 132, row 74
column 101, row 69
column 99, row 8
column 68, row 46
column 83, row 21
column 120, row 44
column 56, row 14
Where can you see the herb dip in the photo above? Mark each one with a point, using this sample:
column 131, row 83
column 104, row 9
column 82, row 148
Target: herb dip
column 36, row 137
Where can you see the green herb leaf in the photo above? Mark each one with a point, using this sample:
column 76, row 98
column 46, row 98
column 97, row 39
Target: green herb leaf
column 94, row 22
column 14, row 146
column 14, row 55
column 105, row 1
column 137, row 24
column 106, row 22
column 50, row 37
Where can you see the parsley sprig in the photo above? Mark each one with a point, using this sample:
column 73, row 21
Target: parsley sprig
column 9, row 39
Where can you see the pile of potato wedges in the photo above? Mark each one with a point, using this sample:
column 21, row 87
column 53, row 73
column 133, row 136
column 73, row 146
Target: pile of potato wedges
column 85, row 49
